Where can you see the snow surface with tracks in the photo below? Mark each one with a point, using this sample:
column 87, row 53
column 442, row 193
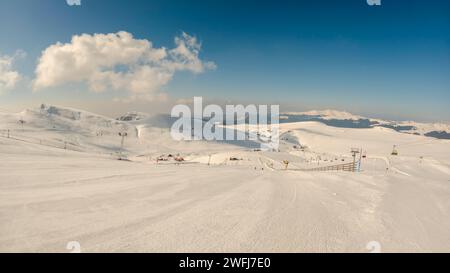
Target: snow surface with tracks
column 60, row 181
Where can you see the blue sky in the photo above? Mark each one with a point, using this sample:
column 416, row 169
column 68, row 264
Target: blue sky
column 389, row 61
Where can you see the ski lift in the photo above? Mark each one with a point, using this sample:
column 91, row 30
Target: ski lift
column 286, row 164
column 394, row 150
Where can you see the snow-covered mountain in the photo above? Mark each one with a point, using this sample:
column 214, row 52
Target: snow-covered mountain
column 78, row 130
column 326, row 114
column 133, row 116
column 66, row 127
column 85, row 131
column 347, row 120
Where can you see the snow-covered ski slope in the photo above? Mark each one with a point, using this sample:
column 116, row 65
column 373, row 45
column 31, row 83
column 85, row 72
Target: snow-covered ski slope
column 61, row 181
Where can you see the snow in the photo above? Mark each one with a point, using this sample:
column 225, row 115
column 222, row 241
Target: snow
column 418, row 128
column 50, row 196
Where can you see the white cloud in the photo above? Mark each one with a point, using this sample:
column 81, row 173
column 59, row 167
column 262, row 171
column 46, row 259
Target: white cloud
column 8, row 76
column 118, row 61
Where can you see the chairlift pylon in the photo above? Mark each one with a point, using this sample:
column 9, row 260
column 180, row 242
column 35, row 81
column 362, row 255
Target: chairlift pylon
column 394, row 150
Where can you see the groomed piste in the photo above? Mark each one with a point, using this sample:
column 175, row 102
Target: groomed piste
column 66, row 175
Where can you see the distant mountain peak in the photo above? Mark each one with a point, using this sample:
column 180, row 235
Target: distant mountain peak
column 328, row 114
column 133, row 116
